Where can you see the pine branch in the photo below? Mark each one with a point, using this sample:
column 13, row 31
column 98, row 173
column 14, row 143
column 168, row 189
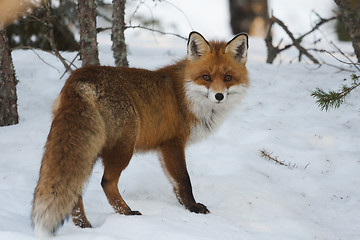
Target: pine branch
column 268, row 156
column 333, row 99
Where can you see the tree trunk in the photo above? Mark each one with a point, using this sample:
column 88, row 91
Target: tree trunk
column 352, row 24
column 8, row 99
column 117, row 35
column 250, row 16
column 88, row 42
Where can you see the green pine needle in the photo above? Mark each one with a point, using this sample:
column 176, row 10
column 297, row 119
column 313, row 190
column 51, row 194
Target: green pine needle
column 334, row 99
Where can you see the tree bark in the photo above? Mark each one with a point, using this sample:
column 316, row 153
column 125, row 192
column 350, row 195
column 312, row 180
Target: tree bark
column 8, row 98
column 117, row 35
column 352, row 24
column 88, row 39
column 250, row 16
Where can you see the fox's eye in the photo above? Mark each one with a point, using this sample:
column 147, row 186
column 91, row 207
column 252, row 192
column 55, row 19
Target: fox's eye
column 227, row 78
column 206, row 77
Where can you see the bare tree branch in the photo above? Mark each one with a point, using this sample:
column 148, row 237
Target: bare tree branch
column 33, row 50
column 342, row 53
column 274, row 51
column 158, row 31
column 296, row 42
column 51, row 38
column 317, row 25
column 71, row 64
column 145, row 28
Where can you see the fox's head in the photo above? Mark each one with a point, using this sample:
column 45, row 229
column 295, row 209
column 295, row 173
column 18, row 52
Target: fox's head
column 215, row 72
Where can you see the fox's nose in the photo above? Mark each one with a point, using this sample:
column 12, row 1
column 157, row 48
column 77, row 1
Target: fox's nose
column 219, row 96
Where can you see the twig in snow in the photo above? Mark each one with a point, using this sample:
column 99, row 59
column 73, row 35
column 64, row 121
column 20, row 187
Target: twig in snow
column 268, row 156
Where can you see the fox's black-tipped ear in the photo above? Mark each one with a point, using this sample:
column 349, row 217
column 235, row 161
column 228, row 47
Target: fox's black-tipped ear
column 196, row 46
column 238, row 47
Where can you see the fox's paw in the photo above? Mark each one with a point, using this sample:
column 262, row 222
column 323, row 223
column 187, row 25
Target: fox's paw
column 132, row 213
column 80, row 220
column 198, row 208
column 127, row 211
column 84, row 225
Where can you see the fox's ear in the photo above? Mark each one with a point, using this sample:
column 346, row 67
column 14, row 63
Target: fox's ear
column 237, row 47
column 196, row 46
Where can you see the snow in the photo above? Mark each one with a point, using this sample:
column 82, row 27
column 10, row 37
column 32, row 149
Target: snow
column 249, row 197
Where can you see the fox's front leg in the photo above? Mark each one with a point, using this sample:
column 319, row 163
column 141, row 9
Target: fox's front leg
column 173, row 153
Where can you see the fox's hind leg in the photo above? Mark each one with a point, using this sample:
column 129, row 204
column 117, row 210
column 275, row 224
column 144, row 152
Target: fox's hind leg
column 78, row 215
column 116, row 159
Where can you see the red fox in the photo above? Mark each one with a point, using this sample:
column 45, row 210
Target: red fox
column 113, row 112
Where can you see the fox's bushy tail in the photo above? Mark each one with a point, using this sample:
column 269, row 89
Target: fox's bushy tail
column 76, row 137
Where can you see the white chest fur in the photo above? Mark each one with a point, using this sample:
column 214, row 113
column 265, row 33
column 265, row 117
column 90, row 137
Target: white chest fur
column 209, row 120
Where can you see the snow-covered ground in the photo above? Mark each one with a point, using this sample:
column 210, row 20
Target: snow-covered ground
column 249, row 197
